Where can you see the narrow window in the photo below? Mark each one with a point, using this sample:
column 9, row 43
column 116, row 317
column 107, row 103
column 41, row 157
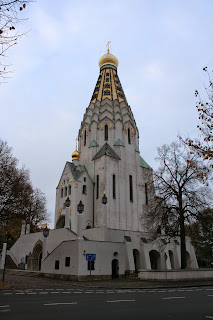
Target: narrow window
column 56, row 264
column 69, row 190
column 67, row 261
column 113, row 187
column 91, row 264
column 62, row 192
column 106, row 132
column 85, row 179
column 97, row 186
column 65, row 191
column 84, row 190
column 146, row 193
column 130, row 189
column 129, row 136
column 85, row 137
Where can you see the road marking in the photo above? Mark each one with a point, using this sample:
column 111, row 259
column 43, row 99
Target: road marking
column 189, row 290
column 161, row 290
column 120, row 300
column 181, row 290
column 43, row 292
column 40, row 289
column 19, row 292
column 6, row 310
column 210, row 295
column 7, row 306
column 173, row 298
column 209, row 317
column 209, row 289
column 32, row 293
column 59, row 303
column 6, row 294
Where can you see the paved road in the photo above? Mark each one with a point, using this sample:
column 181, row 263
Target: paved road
column 82, row 303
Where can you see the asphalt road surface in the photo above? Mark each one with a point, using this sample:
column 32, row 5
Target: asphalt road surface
column 83, row 303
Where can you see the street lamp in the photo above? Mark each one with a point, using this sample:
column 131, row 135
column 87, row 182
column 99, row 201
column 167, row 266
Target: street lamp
column 67, row 202
column 4, row 253
column 104, row 199
column 80, row 207
column 45, row 232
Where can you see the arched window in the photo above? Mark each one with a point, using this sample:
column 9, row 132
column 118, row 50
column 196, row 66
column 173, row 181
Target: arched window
column 62, row 192
column 106, row 132
column 113, row 187
column 129, row 136
column 84, row 189
column 146, row 193
column 69, row 190
column 130, row 189
column 85, row 137
column 65, row 191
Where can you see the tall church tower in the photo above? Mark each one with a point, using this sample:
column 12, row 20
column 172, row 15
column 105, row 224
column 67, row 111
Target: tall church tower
column 109, row 149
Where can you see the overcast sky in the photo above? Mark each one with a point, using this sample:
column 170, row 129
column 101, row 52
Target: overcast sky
column 161, row 46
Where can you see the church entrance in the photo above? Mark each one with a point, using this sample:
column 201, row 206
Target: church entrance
column 115, row 269
column 155, row 260
column 136, row 255
column 36, row 257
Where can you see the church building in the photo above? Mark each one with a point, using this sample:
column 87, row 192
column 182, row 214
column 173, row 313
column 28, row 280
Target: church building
column 101, row 199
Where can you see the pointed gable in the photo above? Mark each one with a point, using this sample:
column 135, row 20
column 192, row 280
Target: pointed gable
column 106, row 150
column 119, row 143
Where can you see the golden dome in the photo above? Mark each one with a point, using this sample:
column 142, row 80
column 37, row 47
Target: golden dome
column 108, row 59
column 75, row 155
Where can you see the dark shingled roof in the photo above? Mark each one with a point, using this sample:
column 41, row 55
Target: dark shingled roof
column 144, row 164
column 75, row 172
column 106, row 150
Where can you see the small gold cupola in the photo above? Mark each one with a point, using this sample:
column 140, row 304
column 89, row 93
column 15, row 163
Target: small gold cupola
column 76, row 154
column 108, row 59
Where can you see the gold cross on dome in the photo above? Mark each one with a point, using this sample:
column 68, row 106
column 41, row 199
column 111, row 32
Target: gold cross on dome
column 108, row 46
column 76, row 143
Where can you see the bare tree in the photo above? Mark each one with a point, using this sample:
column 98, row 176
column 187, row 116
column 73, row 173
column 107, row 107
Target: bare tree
column 180, row 193
column 18, row 199
column 9, row 20
column 203, row 145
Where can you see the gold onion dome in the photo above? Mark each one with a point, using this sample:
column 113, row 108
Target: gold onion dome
column 75, row 155
column 108, row 59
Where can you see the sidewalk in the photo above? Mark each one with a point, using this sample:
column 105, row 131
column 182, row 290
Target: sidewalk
column 20, row 279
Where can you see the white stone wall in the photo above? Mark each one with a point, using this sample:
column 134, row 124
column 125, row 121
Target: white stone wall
column 25, row 244
column 77, row 251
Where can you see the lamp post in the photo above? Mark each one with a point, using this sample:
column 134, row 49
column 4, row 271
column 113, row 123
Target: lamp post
column 45, row 234
column 104, row 201
column 4, row 251
column 80, row 209
column 67, row 218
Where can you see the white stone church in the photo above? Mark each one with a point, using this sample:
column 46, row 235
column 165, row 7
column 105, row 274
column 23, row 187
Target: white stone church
column 108, row 175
